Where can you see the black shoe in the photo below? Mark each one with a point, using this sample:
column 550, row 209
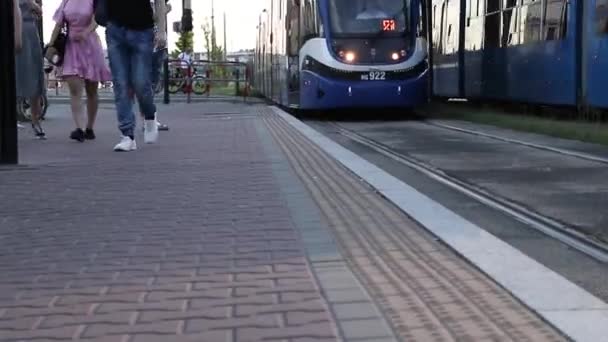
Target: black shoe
column 89, row 134
column 38, row 131
column 77, row 135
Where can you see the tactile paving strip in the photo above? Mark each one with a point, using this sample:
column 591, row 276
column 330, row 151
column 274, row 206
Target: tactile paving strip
column 426, row 291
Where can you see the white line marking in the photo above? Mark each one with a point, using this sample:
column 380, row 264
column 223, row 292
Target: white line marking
column 571, row 309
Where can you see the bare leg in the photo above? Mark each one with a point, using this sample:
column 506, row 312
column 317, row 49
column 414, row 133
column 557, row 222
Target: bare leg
column 76, row 85
column 36, row 108
column 92, row 103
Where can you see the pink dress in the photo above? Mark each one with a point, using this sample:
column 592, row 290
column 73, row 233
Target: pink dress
column 83, row 58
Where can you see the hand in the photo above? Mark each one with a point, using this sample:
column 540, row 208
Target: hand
column 36, row 8
column 160, row 40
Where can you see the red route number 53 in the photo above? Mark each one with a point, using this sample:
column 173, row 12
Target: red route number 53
column 389, row 25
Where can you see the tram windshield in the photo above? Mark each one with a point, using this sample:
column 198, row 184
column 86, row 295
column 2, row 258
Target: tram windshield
column 365, row 17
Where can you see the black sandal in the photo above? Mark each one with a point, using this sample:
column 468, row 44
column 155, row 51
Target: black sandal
column 38, row 131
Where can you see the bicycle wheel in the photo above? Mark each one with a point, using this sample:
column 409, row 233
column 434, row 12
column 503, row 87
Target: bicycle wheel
column 199, row 85
column 24, row 110
column 175, row 86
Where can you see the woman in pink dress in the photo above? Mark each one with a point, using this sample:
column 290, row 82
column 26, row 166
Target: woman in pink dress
column 84, row 63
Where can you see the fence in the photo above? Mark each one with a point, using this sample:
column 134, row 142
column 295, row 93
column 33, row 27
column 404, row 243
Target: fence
column 199, row 78
column 202, row 77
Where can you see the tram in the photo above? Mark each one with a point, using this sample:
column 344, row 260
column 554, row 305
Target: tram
column 331, row 54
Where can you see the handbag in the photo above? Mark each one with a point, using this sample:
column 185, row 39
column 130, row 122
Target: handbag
column 100, row 9
column 55, row 52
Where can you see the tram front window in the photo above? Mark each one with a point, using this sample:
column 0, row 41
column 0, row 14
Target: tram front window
column 368, row 17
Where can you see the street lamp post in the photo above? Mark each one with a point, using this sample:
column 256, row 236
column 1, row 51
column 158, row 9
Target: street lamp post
column 8, row 99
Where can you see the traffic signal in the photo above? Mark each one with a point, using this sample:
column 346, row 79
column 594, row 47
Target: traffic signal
column 187, row 20
column 177, row 26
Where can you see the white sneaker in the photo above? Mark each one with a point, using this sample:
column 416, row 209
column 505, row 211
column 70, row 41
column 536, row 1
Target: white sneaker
column 150, row 131
column 126, row 144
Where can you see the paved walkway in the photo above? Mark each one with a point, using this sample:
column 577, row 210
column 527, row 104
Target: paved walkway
column 234, row 228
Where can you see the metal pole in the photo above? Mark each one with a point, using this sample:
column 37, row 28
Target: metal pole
column 166, row 97
column 8, row 99
column 186, row 15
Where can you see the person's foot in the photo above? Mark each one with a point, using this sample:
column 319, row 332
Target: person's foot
column 89, row 134
column 162, row 127
column 126, row 144
column 150, row 131
column 77, row 134
column 38, row 131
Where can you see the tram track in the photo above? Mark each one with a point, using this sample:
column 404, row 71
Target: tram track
column 549, row 226
column 565, row 152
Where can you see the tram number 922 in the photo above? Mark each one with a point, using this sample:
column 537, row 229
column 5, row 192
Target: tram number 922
column 374, row 76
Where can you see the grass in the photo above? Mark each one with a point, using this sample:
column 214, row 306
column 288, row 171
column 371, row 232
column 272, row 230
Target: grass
column 567, row 129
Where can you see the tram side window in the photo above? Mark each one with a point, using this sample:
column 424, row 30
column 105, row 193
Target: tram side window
column 510, row 36
column 555, row 20
column 309, row 21
column 601, row 16
column 293, row 28
column 530, row 22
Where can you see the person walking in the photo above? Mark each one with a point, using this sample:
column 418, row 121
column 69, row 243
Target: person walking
column 29, row 60
column 83, row 62
column 131, row 40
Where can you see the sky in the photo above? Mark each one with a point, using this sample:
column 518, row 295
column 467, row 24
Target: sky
column 241, row 19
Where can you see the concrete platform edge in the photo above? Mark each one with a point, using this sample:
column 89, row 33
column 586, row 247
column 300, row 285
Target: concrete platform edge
column 571, row 309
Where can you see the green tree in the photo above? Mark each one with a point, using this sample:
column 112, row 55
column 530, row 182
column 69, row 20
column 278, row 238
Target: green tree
column 185, row 42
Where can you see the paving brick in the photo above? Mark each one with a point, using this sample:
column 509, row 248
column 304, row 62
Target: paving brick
column 364, row 329
column 257, row 309
column 345, row 295
column 345, row 311
column 259, row 322
column 211, row 336
column 208, row 313
column 312, row 331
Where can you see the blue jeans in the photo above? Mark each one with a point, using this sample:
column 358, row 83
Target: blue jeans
column 130, row 53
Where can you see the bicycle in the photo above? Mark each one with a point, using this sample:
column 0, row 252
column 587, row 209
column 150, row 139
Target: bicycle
column 24, row 109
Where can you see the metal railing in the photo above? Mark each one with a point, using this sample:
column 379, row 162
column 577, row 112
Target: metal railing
column 195, row 79
column 202, row 77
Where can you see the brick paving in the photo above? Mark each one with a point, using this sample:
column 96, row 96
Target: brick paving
column 188, row 240
column 233, row 228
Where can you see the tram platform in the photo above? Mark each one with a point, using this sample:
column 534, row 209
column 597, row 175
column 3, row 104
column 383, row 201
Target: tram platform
column 243, row 224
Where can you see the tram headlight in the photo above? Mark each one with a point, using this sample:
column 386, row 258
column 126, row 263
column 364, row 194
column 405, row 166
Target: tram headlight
column 349, row 56
column 395, row 56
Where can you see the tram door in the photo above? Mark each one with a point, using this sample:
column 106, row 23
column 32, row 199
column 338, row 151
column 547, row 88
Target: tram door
column 595, row 65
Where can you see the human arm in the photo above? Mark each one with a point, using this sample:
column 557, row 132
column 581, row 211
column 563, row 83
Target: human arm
column 161, row 23
column 18, row 26
column 55, row 33
column 36, row 7
column 59, row 21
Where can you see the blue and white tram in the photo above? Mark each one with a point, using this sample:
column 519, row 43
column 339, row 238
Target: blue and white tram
column 527, row 51
column 330, row 54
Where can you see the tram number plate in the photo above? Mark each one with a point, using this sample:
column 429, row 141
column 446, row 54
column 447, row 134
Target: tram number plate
column 374, row 76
